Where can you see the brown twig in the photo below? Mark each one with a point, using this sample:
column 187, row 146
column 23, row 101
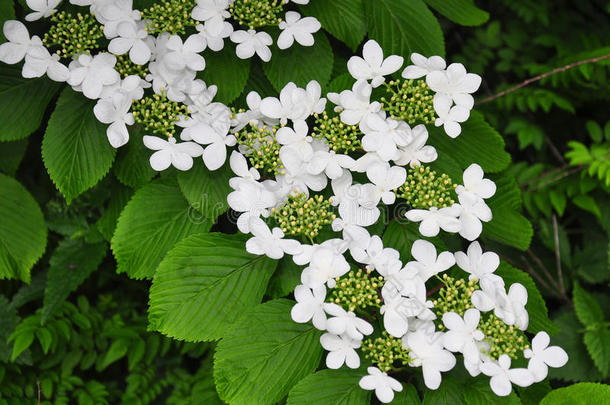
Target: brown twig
column 38, row 386
column 558, row 254
column 542, row 76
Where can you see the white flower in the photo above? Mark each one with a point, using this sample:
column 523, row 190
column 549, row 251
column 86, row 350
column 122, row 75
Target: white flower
column 93, row 73
column 297, row 138
column 346, row 322
column 251, row 198
column 427, row 263
column 487, row 297
column 427, row 351
column 480, row 265
column 39, row 61
column 542, row 356
column 112, row 13
column 294, row 103
column 416, row 151
column 510, row 307
column 19, row 42
column 295, row 28
column 185, row 54
column 115, row 111
column 170, row 153
column 213, row 13
column 215, row 153
column 383, row 384
column 251, row 42
column 462, row 334
column 434, row 219
column 373, row 254
column 329, row 162
column 214, row 41
column 355, row 104
column 502, row 375
column 456, row 83
column 324, row 267
column 474, row 210
column 475, row 184
column 449, row 117
column 341, row 350
column 373, row 66
column 422, row 66
column 131, row 38
column 384, row 180
column 295, row 165
column 384, row 135
column 42, row 9
column 270, row 242
column 309, row 306
column 239, row 165
column 395, row 320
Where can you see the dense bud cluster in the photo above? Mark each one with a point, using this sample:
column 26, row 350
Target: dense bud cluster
column 126, row 67
column 263, row 150
column 341, row 138
column 424, row 189
column 385, row 351
column 410, row 101
column 304, row 216
column 454, row 296
column 503, row 339
column 257, row 13
column 158, row 114
column 73, row 35
column 357, row 290
column 172, row 16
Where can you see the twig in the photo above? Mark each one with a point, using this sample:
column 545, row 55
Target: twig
column 38, row 386
column 558, row 254
column 542, row 76
column 531, row 271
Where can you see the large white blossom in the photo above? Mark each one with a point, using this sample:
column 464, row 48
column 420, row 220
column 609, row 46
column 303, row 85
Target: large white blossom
column 372, row 65
column 295, row 28
column 341, row 350
column 383, row 384
column 502, row 376
column 428, row 353
column 169, row 153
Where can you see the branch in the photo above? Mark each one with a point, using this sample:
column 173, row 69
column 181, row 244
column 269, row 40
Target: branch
column 542, row 76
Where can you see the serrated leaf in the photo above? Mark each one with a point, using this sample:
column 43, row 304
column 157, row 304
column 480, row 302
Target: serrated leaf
column 463, row 12
column 597, row 342
column 75, row 148
column 204, row 284
column 286, row 277
column 23, row 102
column 344, row 19
column 264, row 355
column 8, row 322
column 578, row 394
column 301, row 64
column 536, row 307
column 23, row 233
column 156, row 218
column 107, row 222
column 449, row 392
column 11, row 154
column 71, row 263
column 330, row 387
column 132, row 166
column 479, row 392
column 116, row 351
column 509, row 227
column 225, row 70
column 404, row 26
column 206, row 191
column 587, row 308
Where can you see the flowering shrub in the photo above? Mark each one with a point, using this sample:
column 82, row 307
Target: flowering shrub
column 320, row 208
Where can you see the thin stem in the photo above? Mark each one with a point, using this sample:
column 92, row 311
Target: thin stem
column 558, row 254
column 542, row 76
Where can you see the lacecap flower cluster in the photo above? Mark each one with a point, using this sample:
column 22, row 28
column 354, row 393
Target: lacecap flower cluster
column 142, row 65
column 296, row 194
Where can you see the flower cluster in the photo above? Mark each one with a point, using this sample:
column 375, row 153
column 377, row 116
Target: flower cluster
column 350, row 280
column 120, row 57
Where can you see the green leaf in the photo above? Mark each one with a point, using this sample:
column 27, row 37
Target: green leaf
column 107, row 222
column 75, row 148
column 449, row 392
column 21, row 343
column 587, row 203
column 463, row 12
column 404, row 26
column 478, row 143
column 344, row 19
column 11, row 154
column 264, row 355
column 228, row 72
column 23, row 102
column 117, row 350
column 479, row 392
column 536, row 307
column 509, row 227
column 301, row 64
column 206, row 191
column 132, row 166
column 330, row 387
column 286, row 277
column 408, row 396
column 7, row 12
column 587, row 308
column 23, row 233
column 598, row 346
column 8, row 322
column 578, row 394
column 45, row 339
column 400, row 236
column 156, row 218
column 203, row 286
column 71, row 263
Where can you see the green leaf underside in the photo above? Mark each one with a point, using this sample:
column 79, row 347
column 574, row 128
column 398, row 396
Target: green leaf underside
column 204, row 284
column 343, row 19
column 404, row 26
column 463, row 12
column 22, row 102
column 23, row 232
column 75, row 148
column 156, row 218
column 264, row 355
column 330, row 387
column 301, row 64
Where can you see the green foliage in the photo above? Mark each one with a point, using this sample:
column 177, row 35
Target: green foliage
column 343, row 19
column 578, row 394
column 336, row 387
column 226, row 71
